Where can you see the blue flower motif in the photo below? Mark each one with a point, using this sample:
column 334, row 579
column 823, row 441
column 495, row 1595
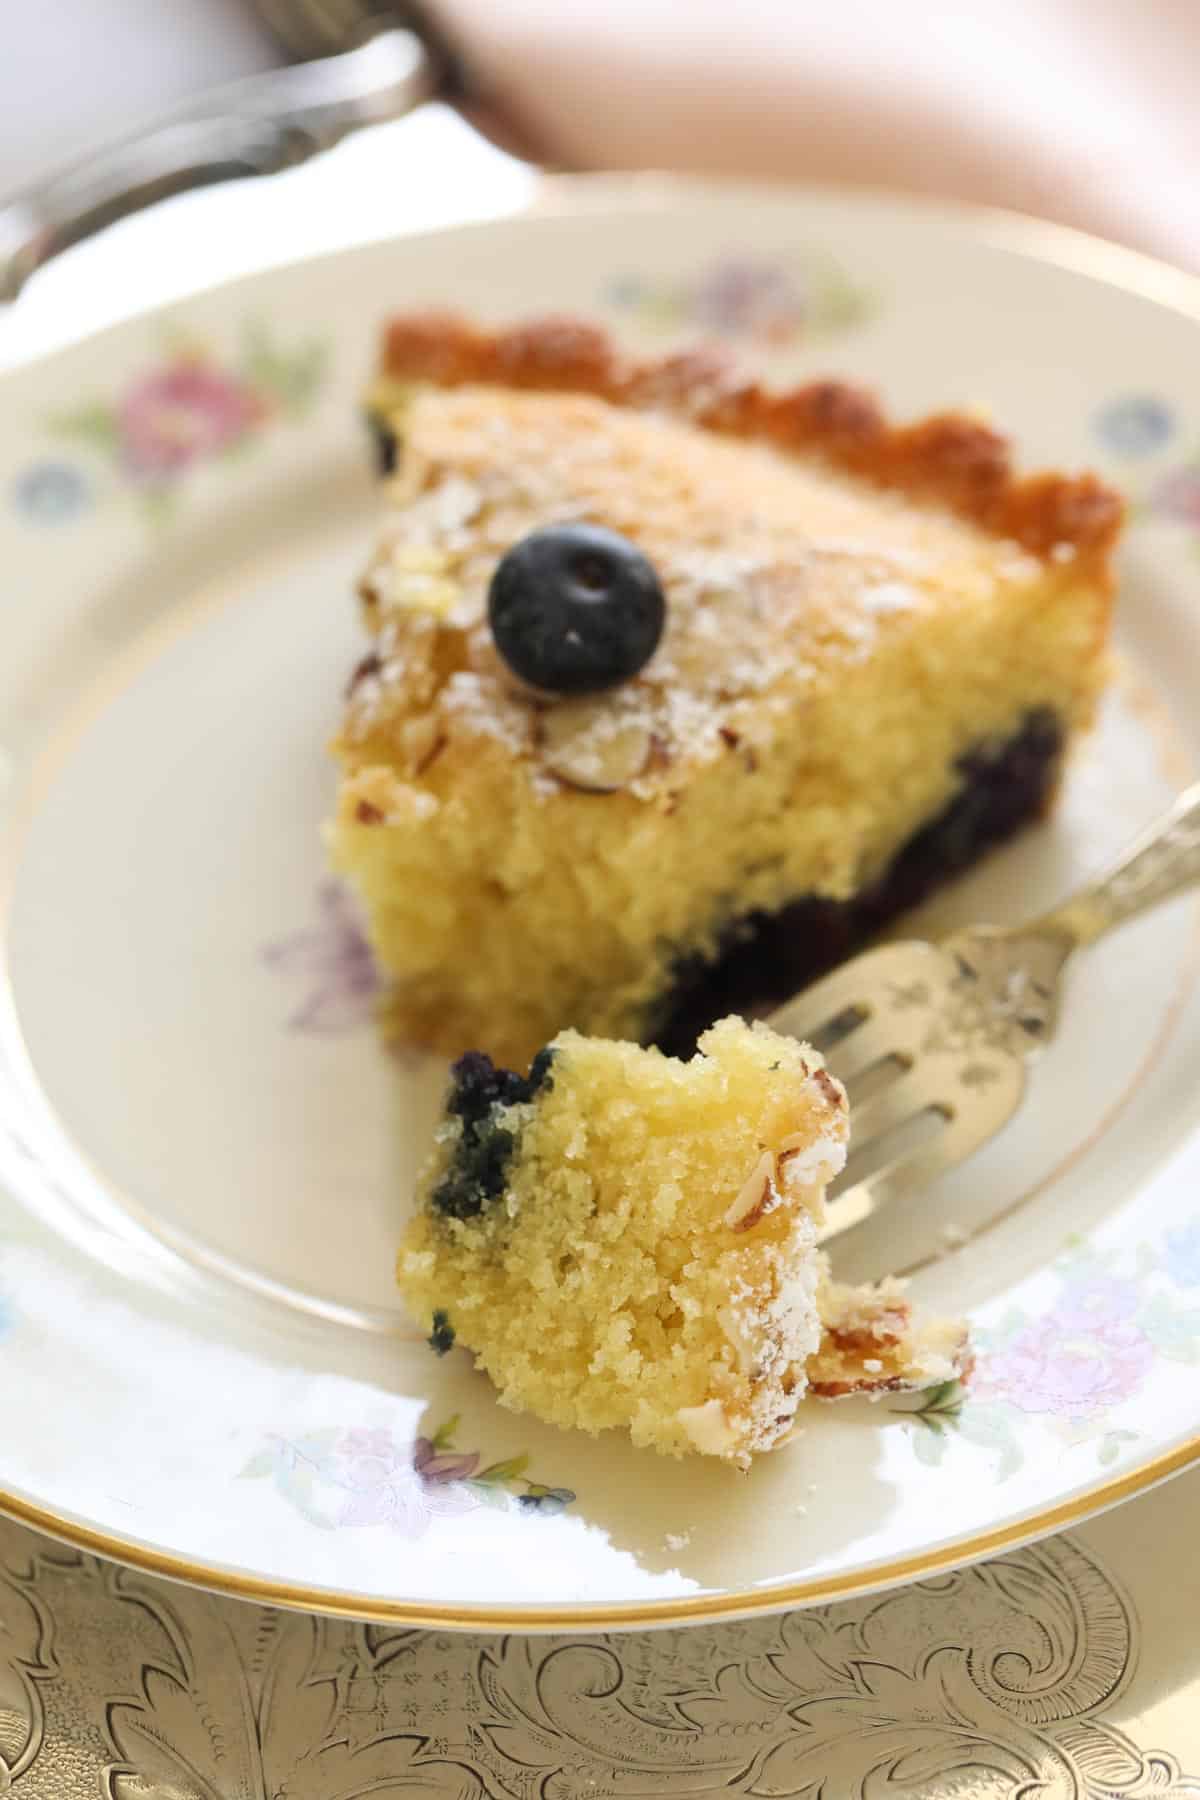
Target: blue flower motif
column 625, row 290
column 51, row 493
column 1135, row 425
column 544, row 1499
column 1183, row 1254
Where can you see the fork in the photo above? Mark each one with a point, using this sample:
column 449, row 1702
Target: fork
column 258, row 125
column 933, row 1040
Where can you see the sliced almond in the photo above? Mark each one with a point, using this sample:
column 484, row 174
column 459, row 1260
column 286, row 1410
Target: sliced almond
column 708, row 1428
column 419, row 559
column 758, row 1195
column 426, row 594
column 832, row 1089
column 811, row 1157
column 730, row 1322
column 423, row 739
column 589, row 745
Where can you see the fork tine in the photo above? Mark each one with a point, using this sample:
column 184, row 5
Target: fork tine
column 861, row 1049
column 913, row 1169
column 915, row 1166
column 901, row 1100
column 813, row 1011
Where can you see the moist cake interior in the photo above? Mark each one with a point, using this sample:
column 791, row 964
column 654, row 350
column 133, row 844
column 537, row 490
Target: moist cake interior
column 879, row 642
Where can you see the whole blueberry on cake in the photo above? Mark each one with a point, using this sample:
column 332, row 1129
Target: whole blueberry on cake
column 626, row 1240
column 679, row 687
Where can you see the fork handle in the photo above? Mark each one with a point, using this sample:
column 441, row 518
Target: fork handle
column 255, row 126
column 1163, row 862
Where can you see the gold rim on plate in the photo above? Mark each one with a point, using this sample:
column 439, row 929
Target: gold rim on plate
column 1039, row 241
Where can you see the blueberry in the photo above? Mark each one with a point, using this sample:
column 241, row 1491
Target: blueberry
column 385, row 447
column 441, row 1338
column 478, row 1090
column 575, row 609
column 476, row 1084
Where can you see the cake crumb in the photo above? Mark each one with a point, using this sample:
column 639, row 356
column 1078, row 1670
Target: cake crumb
column 607, row 1159
column 677, row 1540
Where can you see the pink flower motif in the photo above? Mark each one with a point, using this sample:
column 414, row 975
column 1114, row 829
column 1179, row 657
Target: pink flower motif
column 445, row 1465
column 363, row 1442
column 743, row 295
column 364, row 1476
column 1177, row 495
column 402, row 1488
column 336, row 958
column 402, row 1502
column 1075, row 1362
column 181, row 413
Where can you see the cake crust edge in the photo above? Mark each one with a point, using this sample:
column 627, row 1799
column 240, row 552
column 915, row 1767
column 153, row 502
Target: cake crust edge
column 950, row 459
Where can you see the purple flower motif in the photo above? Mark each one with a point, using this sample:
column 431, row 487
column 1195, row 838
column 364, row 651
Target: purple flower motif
column 752, row 297
column 1182, row 1260
column 1177, row 495
column 1074, row 1363
column 1135, row 424
column 1096, row 1298
column 335, row 959
column 758, row 297
column 181, row 413
column 442, row 1465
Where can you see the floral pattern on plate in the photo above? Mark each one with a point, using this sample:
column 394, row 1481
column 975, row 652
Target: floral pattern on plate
column 1135, row 425
column 51, row 492
column 366, row 1476
column 773, row 302
column 1134, row 429
column 1176, row 496
column 190, row 406
column 1072, row 1364
column 333, row 960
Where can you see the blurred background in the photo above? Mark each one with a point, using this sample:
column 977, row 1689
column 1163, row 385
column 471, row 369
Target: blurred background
column 1082, row 111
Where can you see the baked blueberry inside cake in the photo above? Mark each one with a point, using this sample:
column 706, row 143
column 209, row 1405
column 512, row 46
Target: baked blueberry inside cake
column 768, row 956
column 678, row 687
column 624, row 1240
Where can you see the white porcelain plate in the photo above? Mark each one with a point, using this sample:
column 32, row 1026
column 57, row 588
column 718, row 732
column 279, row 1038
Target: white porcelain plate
column 205, row 1156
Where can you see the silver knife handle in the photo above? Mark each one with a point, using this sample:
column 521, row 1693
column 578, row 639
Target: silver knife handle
column 251, row 127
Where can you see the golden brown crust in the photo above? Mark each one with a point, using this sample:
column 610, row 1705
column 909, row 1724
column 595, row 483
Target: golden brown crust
column 948, row 458
column 871, row 1344
column 863, row 1386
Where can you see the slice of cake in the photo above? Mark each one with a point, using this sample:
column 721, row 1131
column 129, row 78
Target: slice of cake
column 626, row 1240
column 680, row 688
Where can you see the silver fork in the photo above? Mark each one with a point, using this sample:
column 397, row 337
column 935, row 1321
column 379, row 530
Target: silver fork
column 258, row 125
column 933, row 1041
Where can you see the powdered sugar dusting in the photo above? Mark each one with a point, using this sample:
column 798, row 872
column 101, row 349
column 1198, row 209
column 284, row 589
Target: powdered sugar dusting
column 775, row 570
column 890, row 597
column 814, row 1165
